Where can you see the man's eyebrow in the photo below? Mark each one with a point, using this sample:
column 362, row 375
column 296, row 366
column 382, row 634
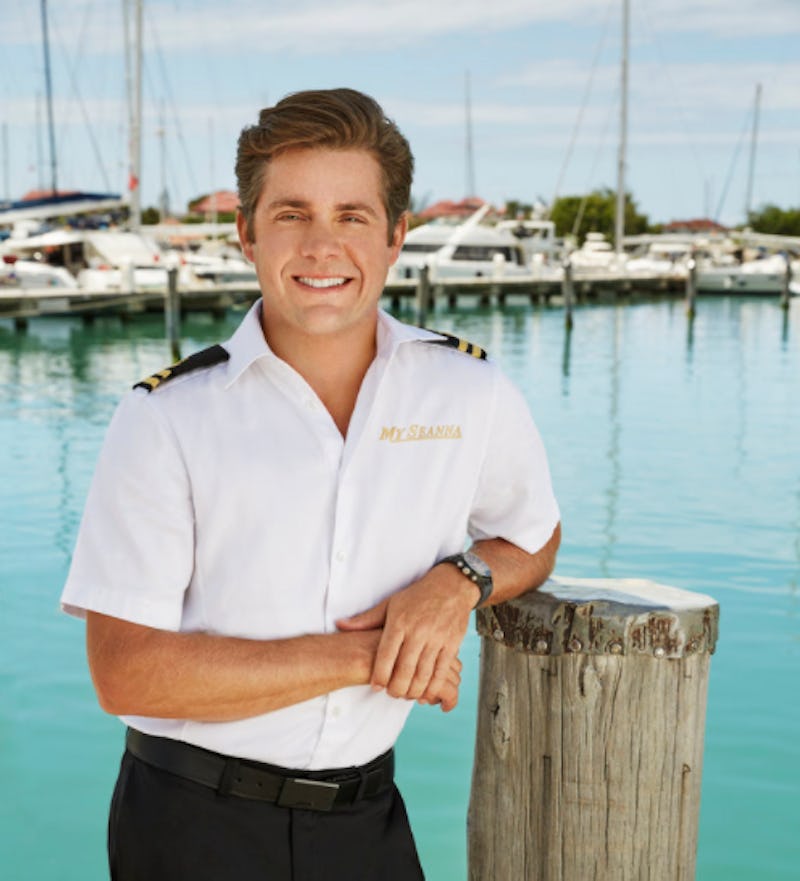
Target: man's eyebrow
column 303, row 204
column 357, row 206
column 287, row 203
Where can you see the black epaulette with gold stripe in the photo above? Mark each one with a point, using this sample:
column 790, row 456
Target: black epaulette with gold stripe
column 204, row 358
column 455, row 342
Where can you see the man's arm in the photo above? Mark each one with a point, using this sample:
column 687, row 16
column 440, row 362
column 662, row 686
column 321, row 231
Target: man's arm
column 424, row 624
column 144, row 671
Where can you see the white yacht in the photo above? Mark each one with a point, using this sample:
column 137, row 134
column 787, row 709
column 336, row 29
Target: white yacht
column 470, row 249
column 114, row 261
column 766, row 275
column 596, row 254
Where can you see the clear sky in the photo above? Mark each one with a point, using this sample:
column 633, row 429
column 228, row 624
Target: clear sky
column 544, row 80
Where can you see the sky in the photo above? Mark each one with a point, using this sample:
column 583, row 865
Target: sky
column 543, row 79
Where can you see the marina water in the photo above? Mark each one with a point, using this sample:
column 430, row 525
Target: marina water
column 675, row 451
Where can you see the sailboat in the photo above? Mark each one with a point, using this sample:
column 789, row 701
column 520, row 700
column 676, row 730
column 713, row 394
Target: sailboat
column 106, row 260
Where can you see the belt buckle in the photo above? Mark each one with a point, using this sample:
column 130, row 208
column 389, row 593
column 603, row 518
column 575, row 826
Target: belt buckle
column 310, row 795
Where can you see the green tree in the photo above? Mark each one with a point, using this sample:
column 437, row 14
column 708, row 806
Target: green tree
column 151, row 216
column 595, row 213
column 775, row 221
column 515, row 208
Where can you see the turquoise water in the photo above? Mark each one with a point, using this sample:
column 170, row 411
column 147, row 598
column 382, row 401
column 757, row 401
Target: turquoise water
column 675, row 454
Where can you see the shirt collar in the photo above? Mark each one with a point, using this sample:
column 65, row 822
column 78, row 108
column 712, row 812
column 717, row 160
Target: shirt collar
column 392, row 333
column 247, row 344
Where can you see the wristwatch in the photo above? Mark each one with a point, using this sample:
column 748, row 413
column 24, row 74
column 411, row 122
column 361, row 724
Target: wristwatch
column 476, row 570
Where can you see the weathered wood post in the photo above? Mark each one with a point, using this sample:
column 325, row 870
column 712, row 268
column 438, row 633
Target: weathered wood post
column 786, row 283
column 423, row 295
column 691, row 286
column 591, row 715
column 568, row 291
column 172, row 313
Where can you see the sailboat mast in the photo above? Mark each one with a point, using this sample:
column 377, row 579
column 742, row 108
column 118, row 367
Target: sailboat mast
column 471, row 189
column 619, row 215
column 136, row 124
column 49, row 89
column 6, row 188
column 753, row 143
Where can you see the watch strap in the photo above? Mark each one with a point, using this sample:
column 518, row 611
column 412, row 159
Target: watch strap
column 469, row 564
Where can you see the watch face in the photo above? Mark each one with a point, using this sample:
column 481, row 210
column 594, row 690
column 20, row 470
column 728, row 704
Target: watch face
column 478, row 565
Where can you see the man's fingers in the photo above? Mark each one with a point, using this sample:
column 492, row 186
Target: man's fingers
column 385, row 660
column 405, row 669
column 368, row 620
column 444, row 690
column 420, row 681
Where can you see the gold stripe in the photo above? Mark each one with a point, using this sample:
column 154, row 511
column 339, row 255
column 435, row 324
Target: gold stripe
column 463, row 346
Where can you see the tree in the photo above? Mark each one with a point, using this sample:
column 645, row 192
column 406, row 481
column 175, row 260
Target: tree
column 515, row 208
column 595, row 213
column 775, row 221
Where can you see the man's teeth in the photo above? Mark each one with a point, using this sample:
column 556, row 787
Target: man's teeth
column 321, row 282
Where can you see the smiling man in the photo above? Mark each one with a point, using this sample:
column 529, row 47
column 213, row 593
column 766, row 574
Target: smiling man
column 271, row 562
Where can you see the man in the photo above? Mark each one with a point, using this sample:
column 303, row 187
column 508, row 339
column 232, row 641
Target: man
column 269, row 562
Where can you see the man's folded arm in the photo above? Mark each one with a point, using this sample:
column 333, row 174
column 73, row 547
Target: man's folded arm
column 144, row 671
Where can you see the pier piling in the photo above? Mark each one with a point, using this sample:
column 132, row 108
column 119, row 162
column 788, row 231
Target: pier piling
column 423, row 295
column 589, row 747
column 786, row 282
column 691, row 287
column 568, row 291
column 172, row 313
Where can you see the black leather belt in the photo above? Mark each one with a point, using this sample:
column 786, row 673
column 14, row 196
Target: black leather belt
column 310, row 790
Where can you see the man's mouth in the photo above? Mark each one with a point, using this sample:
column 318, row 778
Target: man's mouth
column 321, row 283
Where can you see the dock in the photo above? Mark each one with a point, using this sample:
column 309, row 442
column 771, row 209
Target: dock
column 21, row 305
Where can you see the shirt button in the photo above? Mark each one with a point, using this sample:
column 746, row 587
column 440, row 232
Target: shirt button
column 340, row 556
column 336, row 712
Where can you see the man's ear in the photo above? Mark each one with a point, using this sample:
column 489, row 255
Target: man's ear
column 399, row 235
column 244, row 237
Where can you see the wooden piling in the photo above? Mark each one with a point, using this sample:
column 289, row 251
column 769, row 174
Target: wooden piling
column 786, row 283
column 568, row 291
column 591, row 716
column 172, row 313
column 691, row 286
column 423, row 296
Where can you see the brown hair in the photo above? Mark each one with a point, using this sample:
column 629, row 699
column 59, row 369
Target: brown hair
column 336, row 119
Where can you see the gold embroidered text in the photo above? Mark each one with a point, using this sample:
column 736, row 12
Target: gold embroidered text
column 415, row 432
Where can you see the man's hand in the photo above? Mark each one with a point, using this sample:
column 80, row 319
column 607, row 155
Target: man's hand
column 423, row 628
column 424, row 624
column 447, row 697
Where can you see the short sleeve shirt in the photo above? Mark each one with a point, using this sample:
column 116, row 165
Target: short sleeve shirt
column 227, row 501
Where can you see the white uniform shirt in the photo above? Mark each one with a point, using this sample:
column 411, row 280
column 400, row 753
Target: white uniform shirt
column 227, row 501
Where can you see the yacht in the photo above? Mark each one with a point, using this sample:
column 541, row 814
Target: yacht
column 765, row 275
column 470, row 249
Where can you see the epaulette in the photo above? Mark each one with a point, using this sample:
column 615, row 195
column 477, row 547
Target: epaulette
column 455, row 342
column 204, row 358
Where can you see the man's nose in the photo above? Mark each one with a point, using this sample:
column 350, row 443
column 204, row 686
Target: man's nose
column 321, row 241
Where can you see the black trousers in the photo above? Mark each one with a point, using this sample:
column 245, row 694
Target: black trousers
column 166, row 828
